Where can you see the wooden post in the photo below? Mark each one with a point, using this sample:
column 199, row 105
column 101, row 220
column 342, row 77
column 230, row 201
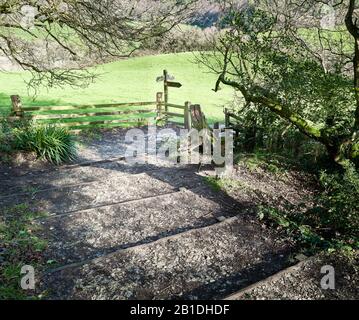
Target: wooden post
column 16, row 106
column 187, row 116
column 159, row 97
column 165, row 80
column 226, row 115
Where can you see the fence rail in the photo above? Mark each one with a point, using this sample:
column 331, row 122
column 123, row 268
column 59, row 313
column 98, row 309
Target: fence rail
column 171, row 105
column 88, row 106
column 228, row 118
column 78, row 117
column 53, row 116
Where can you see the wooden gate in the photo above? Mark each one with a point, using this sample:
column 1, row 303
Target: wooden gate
column 130, row 114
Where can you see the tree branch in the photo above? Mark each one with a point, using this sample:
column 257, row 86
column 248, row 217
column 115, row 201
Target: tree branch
column 284, row 111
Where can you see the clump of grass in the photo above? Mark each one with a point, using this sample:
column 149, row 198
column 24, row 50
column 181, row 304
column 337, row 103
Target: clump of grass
column 270, row 162
column 224, row 184
column 54, row 144
column 19, row 246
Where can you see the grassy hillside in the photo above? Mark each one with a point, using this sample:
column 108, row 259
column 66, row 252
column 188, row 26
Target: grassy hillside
column 130, row 80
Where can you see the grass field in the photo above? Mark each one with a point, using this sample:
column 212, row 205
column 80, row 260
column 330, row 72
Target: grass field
column 131, row 80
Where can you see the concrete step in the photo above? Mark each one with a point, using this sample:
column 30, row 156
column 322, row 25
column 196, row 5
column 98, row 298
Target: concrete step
column 205, row 263
column 91, row 233
column 115, row 186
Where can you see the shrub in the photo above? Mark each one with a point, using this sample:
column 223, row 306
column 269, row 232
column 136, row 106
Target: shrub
column 183, row 39
column 340, row 200
column 7, row 129
column 51, row 143
column 334, row 220
column 6, row 136
column 3, row 137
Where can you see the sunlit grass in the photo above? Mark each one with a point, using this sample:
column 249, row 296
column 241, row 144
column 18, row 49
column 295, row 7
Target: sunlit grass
column 131, row 80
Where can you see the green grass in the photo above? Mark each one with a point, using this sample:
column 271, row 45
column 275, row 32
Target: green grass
column 224, row 184
column 261, row 159
column 131, row 80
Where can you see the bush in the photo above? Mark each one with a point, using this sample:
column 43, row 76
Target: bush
column 332, row 222
column 51, row 143
column 183, row 39
column 7, row 129
column 340, row 200
column 4, row 137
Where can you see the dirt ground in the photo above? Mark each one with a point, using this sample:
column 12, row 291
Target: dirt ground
column 118, row 230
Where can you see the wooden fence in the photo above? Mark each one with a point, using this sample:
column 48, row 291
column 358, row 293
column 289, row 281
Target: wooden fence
column 132, row 114
column 229, row 117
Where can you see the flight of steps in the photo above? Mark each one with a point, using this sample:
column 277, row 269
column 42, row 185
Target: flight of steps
column 120, row 231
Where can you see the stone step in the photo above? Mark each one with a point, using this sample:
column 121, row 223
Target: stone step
column 205, row 263
column 113, row 187
column 91, row 233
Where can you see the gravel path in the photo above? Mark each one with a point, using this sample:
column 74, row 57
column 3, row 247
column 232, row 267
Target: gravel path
column 145, row 231
column 199, row 264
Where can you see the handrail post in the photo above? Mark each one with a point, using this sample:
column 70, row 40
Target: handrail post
column 187, row 116
column 16, row 106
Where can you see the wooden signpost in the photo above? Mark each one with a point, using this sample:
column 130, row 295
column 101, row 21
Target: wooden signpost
column 174, row 84
column 168, row 84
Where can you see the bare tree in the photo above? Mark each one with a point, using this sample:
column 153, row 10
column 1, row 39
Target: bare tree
column 39, row 34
